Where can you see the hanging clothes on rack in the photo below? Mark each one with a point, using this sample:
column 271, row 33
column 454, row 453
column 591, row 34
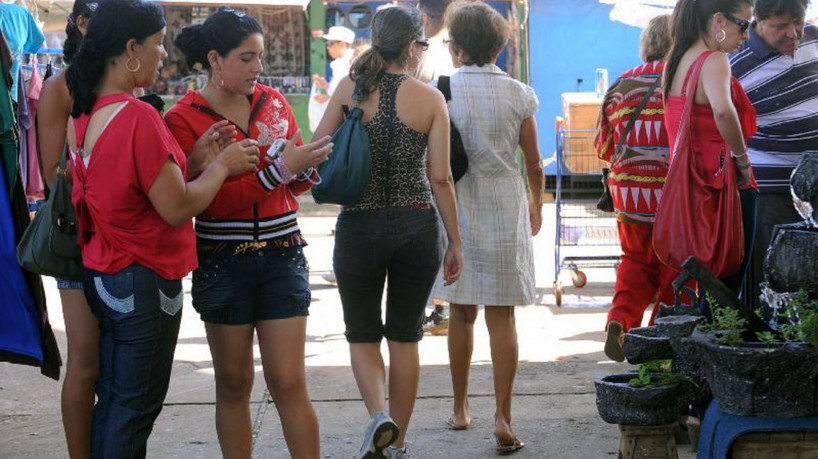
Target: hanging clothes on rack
column 35, row 186
column 8, row 121
column 26, row 336
column 25, row 123
column 22, row 36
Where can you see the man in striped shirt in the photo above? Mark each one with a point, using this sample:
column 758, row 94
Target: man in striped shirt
column 778, row 67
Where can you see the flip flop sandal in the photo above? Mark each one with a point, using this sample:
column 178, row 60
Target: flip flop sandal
column 455, row 426
column 509, row 446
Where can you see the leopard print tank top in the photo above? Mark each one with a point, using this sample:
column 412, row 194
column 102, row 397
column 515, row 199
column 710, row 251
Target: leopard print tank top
column 398, row 156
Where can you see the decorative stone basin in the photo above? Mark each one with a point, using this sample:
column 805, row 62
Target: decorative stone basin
column 792, row 259
column 678, row 326
column 619, row 403
column 645, row 343
column 760, row 379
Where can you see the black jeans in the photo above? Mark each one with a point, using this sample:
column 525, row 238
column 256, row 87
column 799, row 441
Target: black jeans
column 774, row 208
column 400, row 243
column 748, row 218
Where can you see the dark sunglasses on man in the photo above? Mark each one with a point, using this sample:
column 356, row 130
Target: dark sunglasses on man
column 423, row 44
column 742, row 24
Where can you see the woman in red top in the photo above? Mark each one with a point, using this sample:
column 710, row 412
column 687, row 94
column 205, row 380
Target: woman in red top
column 252, row 275
column 722, row 116
column 134, row 209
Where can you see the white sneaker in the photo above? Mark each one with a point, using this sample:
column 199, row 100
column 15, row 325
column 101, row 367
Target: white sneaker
column 393, row 452
column 381, row 431
column 329, row 277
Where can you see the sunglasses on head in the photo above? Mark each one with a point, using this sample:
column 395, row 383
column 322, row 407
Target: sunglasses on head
column 742, row 24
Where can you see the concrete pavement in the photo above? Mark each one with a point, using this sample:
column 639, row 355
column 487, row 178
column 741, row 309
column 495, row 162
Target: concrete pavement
column 554, row 403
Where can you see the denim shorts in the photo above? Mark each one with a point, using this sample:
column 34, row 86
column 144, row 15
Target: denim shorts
column 65, row 284
column 399, row 244
column 266, row 284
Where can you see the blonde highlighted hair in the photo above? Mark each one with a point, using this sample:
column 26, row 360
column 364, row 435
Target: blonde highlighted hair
column 655, row 40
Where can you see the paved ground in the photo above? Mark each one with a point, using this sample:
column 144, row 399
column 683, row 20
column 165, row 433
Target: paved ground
column 554, row 403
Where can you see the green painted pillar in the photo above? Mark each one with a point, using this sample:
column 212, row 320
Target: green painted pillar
column 317, row 22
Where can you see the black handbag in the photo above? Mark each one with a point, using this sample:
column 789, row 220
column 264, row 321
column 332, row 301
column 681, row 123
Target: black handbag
column 457, row 152
column 347, row 172
column 605, row 203
column 49, row 245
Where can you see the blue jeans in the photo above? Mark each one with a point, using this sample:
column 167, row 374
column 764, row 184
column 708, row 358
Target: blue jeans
column 139, row 315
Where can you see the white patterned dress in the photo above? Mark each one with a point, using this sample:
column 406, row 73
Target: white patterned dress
column 488, row 108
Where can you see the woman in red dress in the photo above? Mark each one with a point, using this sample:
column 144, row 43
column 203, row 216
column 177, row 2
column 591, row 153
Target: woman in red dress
column 722, row 117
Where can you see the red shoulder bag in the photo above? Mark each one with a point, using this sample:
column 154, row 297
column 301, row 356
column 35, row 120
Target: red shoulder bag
column 699, row 216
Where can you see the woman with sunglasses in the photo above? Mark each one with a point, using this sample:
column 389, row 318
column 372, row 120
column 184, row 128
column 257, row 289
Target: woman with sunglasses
column 722, row 116
column 393, row 231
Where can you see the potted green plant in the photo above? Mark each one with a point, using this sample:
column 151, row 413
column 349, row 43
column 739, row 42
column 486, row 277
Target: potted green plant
column 649, row 397
column 772, row 373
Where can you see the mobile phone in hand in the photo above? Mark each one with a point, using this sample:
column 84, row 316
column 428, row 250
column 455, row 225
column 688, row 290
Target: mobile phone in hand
column 276, row 148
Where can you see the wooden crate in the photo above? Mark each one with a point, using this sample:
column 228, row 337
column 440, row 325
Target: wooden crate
column 776, row 445
column 580, row 112
column 648, row 442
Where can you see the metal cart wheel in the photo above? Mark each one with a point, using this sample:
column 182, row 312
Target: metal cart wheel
column 578, row 278
column 558, row 293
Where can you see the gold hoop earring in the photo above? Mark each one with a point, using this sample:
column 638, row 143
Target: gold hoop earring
column 128, row 65
column 721, row 35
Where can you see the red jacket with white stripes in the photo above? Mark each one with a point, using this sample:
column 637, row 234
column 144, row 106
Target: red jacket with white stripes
column 254, row 206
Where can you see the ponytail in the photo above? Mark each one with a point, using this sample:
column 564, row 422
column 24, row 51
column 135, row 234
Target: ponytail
column 687, row 26
column 393, row 29
column 368, row 69
column 83, row 77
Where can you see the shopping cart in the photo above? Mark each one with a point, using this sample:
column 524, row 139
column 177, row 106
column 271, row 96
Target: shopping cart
column 587, row 235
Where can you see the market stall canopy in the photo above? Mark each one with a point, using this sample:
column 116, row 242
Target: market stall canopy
column 300, row 3
column 638, row 13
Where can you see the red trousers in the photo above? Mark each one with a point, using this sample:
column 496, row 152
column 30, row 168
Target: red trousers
column 640, row 277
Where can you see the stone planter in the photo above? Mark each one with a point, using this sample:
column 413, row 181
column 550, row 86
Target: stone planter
column 792, row 259
column 680, row 310
column 619, row 403
column 678, row 326
column 760, row 380
column 645, row 343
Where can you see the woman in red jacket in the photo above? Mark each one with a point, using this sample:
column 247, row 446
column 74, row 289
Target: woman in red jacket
column 252, row 275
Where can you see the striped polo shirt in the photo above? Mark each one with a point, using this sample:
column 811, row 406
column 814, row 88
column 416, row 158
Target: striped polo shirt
column 784, row 92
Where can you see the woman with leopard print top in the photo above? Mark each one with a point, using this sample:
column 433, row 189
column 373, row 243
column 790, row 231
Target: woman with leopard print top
column 393, row 232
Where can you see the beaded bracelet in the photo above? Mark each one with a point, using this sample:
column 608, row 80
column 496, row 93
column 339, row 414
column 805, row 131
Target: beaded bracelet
column 286, row 174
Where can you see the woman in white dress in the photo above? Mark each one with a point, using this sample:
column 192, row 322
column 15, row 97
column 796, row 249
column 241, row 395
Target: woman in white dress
column 498, row 215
